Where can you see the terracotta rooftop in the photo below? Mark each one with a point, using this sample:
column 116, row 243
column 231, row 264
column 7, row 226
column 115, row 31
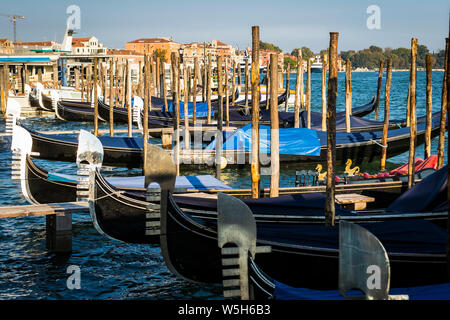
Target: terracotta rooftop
column 151, row 40
column 80, row 39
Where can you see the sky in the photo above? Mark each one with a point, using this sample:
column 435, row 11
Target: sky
column 288, row 24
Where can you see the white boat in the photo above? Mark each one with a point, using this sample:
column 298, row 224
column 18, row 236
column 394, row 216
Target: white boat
column 317, row 65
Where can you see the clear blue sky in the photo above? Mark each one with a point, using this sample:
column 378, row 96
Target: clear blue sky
column 286, row 23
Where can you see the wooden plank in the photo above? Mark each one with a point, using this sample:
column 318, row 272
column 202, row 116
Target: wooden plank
column 349, row 198
column 43, row 209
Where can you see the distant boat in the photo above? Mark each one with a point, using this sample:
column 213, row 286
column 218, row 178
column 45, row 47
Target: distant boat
column 316, row 67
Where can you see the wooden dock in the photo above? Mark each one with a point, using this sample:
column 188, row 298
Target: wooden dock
column 58, row 221
column 43, row 209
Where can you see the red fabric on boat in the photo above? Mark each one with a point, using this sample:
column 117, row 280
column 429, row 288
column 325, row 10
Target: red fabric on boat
column 404, row 168
column 428, row 163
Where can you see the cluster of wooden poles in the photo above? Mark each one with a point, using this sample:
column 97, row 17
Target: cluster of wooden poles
column 152, row 82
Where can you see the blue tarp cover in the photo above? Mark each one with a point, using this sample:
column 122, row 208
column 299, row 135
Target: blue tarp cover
column 201, row 109
column 295, row 141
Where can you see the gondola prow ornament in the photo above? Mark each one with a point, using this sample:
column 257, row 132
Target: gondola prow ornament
column 89, row 158
column 236, row 225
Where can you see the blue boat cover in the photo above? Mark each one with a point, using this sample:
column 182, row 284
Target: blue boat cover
column 430, row 194
column 201, row 109
column 430, row 292
column 295, row 141
column 397, row 236
column 202, row 182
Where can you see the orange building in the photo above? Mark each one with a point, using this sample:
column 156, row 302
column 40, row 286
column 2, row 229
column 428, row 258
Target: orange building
column 150, row 45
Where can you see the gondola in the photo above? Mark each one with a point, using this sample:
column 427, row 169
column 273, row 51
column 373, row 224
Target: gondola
column 190, row 250
column 361, row 148
column 69, row 113
column 75, row 103
column 156, row 113
column 114, row 210
column 355, row 242
column 33, row 100
column 46, row 102
column 112, row 204
column 40, row 186
column 264, row 287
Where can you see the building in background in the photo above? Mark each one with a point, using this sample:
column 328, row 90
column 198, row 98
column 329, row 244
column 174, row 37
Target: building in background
column 87, row 46
column 149, row 45
column 6, row 46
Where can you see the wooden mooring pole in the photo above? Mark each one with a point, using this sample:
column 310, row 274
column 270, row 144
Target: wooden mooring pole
column 308, row 94
column 233, row 84
column 219, row 137
column 111, row 97
column 186, row 107
column 208, row 90
column 412, row 112
column 331, row 132
column 429, row 107
column 194, row 92
column 274, row 126
column 163, row 85
column 441, row 145
column 387, row 98
column 447, row 72
column 348, row 94
column 288, row 91
column 380, row 79
column 175, row 106
column 246, row 82
column 268, row 86
column 227, row 98
column 128, row 97
column 95, row 100
column 147, row 103
column 324, row 91
column 255, row 113
column 297, row 91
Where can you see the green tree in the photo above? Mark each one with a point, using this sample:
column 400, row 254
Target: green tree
column 291, row 62
column 375, row 49
column 269, row 46
column 422, row 52
column 306, row 53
